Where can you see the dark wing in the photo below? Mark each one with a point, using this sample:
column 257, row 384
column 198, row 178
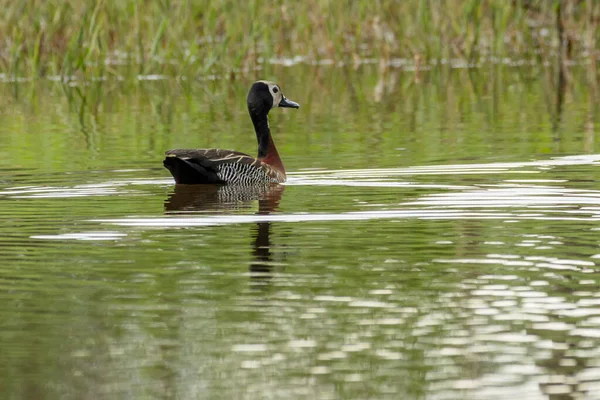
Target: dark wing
column 196, row 166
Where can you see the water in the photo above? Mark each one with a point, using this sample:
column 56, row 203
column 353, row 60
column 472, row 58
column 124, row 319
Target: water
column 435, row 240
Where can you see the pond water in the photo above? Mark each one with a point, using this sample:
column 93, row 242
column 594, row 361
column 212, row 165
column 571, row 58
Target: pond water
column 438, row 238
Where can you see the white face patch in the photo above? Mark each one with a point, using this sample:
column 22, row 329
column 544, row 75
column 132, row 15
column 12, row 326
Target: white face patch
column 276, row 93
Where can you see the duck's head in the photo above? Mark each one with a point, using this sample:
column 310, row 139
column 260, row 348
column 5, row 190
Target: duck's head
column 265, row 95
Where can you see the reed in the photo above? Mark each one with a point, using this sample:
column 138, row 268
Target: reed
column 202, row 38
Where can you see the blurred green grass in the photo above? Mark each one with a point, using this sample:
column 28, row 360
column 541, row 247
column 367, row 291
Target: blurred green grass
column 93, row 40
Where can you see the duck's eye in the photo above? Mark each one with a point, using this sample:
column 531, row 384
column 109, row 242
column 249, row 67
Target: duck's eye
column 275, row 90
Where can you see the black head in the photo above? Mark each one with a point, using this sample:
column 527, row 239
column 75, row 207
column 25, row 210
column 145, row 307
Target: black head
column 265, row 95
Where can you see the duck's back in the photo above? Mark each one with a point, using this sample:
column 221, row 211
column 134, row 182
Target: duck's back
column 197, row 166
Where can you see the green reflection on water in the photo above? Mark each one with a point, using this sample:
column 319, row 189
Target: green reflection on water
column 353, row 120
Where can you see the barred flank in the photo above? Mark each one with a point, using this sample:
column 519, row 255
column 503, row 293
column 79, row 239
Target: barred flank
column 244, row 174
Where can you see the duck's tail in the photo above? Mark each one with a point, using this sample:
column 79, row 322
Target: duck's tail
column 191, row 171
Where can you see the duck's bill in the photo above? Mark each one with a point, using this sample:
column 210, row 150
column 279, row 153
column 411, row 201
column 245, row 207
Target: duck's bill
column 288, row 103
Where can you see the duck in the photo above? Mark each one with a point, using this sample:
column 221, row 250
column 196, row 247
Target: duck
column 229, row 167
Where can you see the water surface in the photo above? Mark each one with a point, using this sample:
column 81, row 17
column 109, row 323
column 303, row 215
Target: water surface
column 435, row 240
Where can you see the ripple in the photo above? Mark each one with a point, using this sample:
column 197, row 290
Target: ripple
column 249, row 348
column 350, row 216
column 83, row 236
column 493, row 168
column 105, row 188
column 369, row 304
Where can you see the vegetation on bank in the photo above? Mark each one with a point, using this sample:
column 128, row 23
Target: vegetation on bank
column 127, row 38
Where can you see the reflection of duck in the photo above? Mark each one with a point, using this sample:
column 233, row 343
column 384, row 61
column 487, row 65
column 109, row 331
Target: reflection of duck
column 196, row 166
column 198, row 198
column 215, row 198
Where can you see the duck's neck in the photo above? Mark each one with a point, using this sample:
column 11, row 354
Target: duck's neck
column 267, row 152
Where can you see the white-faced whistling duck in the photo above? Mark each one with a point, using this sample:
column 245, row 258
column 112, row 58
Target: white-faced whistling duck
column 217, row 166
